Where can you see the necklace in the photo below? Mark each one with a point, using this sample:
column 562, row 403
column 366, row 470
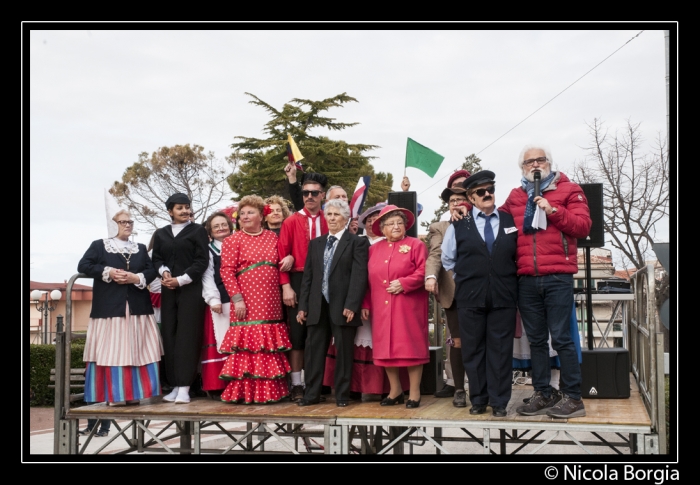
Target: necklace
column 126, row 257
column 250, row 234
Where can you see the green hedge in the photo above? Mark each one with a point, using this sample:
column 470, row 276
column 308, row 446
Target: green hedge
column 41, row 360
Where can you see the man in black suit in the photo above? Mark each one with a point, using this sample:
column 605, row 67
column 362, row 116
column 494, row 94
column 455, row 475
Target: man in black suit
column 332, row 289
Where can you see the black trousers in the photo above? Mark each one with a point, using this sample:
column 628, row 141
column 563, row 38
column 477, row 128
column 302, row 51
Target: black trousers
column 318, row 339
column 182, row 324
column 487, row 352
column 297, row 332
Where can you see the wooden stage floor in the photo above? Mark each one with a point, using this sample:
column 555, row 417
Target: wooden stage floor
column 627, row 418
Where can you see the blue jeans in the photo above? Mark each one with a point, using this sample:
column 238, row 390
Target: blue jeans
column 104, row 424
column 545, row 308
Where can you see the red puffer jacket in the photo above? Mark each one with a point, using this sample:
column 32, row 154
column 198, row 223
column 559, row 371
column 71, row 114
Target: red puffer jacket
column 554, row 249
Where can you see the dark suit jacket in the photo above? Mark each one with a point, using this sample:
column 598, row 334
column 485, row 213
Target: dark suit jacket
column 185, row 254
column 347, row 281
column 109, row 299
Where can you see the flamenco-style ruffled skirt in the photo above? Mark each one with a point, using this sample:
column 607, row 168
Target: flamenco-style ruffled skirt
column 257, row 367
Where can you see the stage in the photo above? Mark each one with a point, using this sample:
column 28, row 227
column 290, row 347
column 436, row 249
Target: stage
column 205, row 426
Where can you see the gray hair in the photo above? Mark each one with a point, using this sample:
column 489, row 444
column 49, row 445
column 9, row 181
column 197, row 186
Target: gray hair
column 341, row 205
column 333, row 187
column 385, row 217
column 119, row 212
column 527, row 148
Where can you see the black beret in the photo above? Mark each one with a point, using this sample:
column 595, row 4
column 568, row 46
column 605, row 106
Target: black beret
column 177, row 199
column 483, row 177
column 318, row 178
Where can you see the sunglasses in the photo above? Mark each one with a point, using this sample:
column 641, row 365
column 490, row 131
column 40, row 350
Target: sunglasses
column 481, row 192
column 312, row 193
column 125, row 223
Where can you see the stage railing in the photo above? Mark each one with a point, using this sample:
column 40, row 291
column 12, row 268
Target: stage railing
column 646, row 345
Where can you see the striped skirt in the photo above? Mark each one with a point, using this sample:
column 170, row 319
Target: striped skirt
column 121, row 383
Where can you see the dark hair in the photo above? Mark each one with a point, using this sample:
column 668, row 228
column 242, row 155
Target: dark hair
column 207, row 225
column 314, row 178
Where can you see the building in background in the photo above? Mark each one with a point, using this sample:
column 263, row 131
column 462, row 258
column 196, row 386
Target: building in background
column 82, row 304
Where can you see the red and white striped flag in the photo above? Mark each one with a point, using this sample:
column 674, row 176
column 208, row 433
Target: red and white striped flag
column 359, row 196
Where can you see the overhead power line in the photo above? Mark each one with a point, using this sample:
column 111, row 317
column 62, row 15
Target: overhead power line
column 545, row 104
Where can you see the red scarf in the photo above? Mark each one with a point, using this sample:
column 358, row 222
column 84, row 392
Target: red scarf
column 314, row 232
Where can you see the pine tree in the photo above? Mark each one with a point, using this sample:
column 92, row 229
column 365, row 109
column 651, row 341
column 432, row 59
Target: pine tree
column 472, row 163
column 261, row 170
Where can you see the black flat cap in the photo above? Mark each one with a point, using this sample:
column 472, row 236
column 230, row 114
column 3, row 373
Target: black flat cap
column 316, row 177
column 483, row 177
column 177, row 199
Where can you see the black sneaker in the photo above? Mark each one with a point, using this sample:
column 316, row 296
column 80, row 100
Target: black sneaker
column 567, row 407
column 538, row 404
column 84, row 432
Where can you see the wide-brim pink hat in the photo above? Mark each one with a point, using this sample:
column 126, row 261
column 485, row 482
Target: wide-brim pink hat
column 410, row 218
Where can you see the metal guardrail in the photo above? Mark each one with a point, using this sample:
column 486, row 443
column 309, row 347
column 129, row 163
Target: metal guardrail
column 646, row 346
column 62, row 366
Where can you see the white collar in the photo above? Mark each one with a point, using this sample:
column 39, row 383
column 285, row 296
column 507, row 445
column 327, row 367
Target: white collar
column 337, row 235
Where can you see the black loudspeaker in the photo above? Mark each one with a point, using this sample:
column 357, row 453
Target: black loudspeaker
column 605, row 373
column 430, row 377
column 406, row 200
column 594, row 195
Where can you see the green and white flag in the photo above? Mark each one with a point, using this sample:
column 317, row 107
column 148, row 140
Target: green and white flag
column 422, row 158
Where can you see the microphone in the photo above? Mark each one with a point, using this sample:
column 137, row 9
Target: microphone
column 537, row 176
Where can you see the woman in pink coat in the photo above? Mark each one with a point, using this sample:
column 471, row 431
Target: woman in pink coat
column 397, row 300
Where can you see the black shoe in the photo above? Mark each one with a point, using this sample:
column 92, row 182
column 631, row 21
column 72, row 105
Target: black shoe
column 84, row 432
column 355, row 396
column 387, row 401
column 499, row 411
column 102, row 433
column 446, row 391
column 341, row 404
column 310, row 402
column 410, row 404
column 478, row 409
column 296, row 393
column 460, row 399
column 325, row 390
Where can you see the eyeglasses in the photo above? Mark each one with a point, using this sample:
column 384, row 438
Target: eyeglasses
column 481, row 192
column 540, row 160
column 458, row 200
column 125, row 223
column 312, row 193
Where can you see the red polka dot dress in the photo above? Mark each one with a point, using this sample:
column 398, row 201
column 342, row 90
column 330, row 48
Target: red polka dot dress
column 257, row 366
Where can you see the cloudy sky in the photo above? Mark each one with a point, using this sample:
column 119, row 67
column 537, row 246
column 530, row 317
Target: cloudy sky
column 98, row 98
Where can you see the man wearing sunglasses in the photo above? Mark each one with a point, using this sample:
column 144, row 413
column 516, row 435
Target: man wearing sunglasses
column 296, row 232
column 480, row 249
column 547, row 261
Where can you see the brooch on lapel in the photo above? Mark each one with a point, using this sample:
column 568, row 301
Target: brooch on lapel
column 404, row 248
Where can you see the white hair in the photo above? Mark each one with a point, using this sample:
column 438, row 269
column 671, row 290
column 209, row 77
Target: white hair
column 527, row 148
column 341, row 205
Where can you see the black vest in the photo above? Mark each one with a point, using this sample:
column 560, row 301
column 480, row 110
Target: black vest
column 478, row 273
column 217, row 277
